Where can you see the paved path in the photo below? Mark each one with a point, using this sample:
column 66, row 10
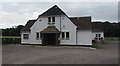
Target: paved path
column 17, row 54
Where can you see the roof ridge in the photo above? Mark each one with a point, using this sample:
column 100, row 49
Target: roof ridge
column 55, row 10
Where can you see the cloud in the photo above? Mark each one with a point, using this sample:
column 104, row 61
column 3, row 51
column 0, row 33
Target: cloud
column 16, row 13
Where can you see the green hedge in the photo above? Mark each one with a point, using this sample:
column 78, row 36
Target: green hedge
column 10, row 39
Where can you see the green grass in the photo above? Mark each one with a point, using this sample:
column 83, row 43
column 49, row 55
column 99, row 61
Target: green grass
column 95, row 45
column 10, row 37
column 112, row 38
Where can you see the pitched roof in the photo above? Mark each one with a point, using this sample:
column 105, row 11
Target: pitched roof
column 55, row 10
column 50, row 29
column 82, row 23
column 28, row 25
column 97, row 27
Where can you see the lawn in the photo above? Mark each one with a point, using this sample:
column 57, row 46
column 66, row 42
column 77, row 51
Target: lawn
column 10, row 37
column 112, row 38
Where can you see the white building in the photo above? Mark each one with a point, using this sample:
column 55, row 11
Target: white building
column 54, row 27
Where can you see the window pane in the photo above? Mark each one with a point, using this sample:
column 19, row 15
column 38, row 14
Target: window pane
column 99, row 38
column 63, row 35
column 95, row 38
column 25, row 36
column 96, row 35
column 53, row 19
column 99, row 35
column 37, row 35
column 49, row 19
column 67, row 34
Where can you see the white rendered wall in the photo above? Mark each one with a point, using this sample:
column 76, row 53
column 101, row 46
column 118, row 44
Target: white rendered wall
column 25, row 41
column 42, row 23
column 68, row 26
column 84, row 37
column 94, row 34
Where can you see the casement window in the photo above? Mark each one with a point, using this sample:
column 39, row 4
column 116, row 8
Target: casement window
column 98, row 37
column 51, row 20
column 25, row 36
column 37, row 35
column 65, row 35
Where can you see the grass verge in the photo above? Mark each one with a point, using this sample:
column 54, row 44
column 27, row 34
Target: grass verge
column 112, row 38
column 95, row 45
column 10, row 37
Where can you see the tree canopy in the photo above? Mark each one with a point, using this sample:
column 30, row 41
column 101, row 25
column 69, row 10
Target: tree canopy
column 14, row 31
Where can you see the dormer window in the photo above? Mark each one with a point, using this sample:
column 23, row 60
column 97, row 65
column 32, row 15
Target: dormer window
column 51, row 20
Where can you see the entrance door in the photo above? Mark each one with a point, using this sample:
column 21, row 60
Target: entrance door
column 49, row 39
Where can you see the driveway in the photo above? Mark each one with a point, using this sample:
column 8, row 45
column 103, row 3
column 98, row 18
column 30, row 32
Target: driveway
column 27, row 54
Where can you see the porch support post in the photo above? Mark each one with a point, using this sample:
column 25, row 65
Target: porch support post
column 43, row 39
column 57, row 39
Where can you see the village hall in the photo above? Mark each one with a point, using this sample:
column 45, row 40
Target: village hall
column 54, row 27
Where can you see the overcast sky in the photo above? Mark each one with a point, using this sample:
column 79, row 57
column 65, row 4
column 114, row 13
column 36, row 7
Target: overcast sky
column 18, row 13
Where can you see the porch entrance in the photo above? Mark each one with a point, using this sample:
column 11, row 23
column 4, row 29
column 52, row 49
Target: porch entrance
column 50, row 39
column 50, row 36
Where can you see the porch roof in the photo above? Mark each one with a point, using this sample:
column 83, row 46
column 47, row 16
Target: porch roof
column 50, row 29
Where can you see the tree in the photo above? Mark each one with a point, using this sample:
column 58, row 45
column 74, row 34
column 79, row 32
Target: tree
column 14, row 31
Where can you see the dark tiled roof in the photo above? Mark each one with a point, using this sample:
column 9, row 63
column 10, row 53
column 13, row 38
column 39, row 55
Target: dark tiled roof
column 50, row 29
column 55, row 10
column 82, row 23
column 28, row 25
column 97, row 27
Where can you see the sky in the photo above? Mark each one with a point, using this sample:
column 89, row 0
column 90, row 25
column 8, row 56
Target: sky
column 18, row 13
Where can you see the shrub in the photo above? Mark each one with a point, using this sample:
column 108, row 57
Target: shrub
column 95, row 45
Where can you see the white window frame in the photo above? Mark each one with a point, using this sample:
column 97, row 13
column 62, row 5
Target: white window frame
column 38, row 35
column 97, row 36
column 25, row 37
column 65, row 36
column 51, row 20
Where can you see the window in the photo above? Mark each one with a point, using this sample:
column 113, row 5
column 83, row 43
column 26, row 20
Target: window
column 96, row 35
column 65, row 35
column 95, row 38
column 99, row 38
column 99, row 35
column 51, row 20
column 25, row 36
column 37, row 35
